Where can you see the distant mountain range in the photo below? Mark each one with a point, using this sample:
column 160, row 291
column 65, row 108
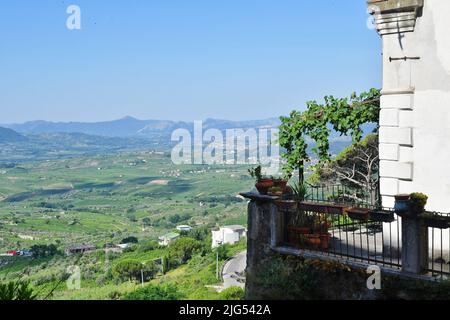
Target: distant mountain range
column 9, row 136
column 40, row 140
column 130, row 127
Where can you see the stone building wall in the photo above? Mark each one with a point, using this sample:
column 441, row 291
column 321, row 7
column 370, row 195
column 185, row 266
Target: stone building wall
column 415, row 103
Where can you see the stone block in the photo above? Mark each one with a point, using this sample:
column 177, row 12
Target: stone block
column 389, row 186
column 389, row 117
column 397, row 101
column 393, row 135
column 389, row 151
column 396, row 169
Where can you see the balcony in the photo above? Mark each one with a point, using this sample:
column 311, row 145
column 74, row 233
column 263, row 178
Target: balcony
column 355, row 232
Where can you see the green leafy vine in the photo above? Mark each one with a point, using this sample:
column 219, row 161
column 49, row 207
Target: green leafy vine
column 344, row 115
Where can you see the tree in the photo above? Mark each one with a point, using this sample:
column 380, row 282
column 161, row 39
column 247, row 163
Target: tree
column 133, row 270
column 16, row 290
column 150, row 270
column 130, row 239
column 199, row 234
column 357, row 168
column 155, row 292
column 175, row 218
column 42, row 250
column 223, row 252
column 182, row 249
column 232, row 293
column 127, row 269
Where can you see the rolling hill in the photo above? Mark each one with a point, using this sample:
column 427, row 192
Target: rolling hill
column 129, row 126
column 10, row 136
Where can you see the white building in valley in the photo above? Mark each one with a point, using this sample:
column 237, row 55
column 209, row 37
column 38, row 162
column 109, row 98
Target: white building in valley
column 415, row 102
column 228, row 235
column 168, row 238
column 184, row 228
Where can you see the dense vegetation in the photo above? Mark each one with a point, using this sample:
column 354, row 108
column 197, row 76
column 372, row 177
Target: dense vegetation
column 186, row 269
column 130, row 198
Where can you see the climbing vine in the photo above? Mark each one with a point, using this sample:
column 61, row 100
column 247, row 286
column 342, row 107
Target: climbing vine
column 344, row 115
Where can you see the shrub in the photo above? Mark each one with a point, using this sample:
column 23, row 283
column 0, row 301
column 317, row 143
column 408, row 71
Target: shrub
column 232, row 293
column 148, row 246
column 131, row 270
column 223, row 252
column 42, row 250
column 16, row 290
column 182, row 249
column 155, row 292
column 130, row 240
column 127, row 269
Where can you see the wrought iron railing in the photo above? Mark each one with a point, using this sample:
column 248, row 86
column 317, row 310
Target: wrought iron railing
column 341, row 194
column 439, row 244
column 365, row 234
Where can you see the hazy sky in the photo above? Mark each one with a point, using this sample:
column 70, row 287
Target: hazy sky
column 181, row 59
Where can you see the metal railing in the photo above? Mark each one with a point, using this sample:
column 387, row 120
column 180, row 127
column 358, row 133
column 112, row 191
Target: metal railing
column 334, row 233
column 360, row 232
column 439, row 246
column 341, row 194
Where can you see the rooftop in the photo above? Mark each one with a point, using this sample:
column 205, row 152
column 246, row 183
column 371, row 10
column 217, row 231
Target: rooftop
column 234, row 227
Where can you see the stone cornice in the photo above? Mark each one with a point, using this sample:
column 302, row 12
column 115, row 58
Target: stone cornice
column 395, row 16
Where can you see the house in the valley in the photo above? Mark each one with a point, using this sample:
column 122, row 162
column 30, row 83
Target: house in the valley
column 166, row 239
column 79, row 249
column 184, row 228
column 228, row 235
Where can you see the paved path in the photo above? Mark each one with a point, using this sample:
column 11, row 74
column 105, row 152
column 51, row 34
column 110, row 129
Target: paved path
column 233, row 271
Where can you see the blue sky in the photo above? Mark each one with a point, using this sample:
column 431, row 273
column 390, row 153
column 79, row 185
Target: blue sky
column 181, row 59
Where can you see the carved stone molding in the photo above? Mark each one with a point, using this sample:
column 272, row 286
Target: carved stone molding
column 395, row 16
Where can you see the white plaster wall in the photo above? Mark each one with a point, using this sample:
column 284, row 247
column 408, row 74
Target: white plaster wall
column 427, row 111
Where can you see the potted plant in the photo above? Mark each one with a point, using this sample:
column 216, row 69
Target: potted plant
column 263, row 184
column 325, row 241
column 402, row 204
column 280, row 183
column 358, row 213
column 301, row 224
column 434, row 220
column 275, row 191
column 417, row 202
column 313, row 240
column 382, row 216
column 335, row 209
column 321, row 224
column 299, row 191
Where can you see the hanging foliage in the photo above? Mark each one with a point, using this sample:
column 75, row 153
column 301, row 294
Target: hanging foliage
column 344, row 115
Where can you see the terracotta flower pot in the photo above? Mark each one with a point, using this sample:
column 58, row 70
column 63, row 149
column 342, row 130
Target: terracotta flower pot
column 358, row 213
column 264, row 185
column 303, row 230
column 314, row 240
column 325, row 241
column 280, row 183
column 275, row 194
